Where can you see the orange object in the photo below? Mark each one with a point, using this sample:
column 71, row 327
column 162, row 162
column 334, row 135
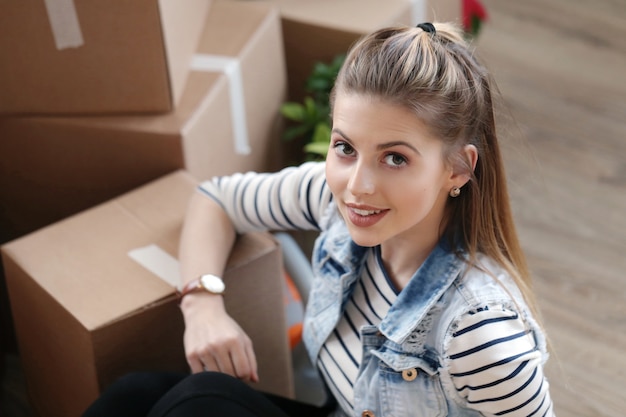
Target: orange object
column 294, row 311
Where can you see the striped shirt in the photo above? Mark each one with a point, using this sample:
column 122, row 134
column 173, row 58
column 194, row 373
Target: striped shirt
column 340, row 356
column 493, row 360
column 496, row 365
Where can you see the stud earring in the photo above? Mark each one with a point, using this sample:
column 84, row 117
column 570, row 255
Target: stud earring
column 455, row 192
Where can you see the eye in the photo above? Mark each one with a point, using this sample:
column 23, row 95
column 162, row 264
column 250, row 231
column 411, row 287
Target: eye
column 395, row 160
column 342, row 148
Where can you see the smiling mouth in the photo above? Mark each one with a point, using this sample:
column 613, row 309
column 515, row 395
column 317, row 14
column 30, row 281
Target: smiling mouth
column 362, row 212
column 364, row 217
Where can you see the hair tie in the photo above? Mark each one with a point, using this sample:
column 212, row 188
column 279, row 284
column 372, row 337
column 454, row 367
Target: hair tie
column 427, row 27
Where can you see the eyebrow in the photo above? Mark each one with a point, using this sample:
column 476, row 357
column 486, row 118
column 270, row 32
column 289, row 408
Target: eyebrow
column 383, row 146
column 387, row 145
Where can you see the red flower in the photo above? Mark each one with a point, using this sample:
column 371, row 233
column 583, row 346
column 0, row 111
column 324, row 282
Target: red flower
column 474, row 13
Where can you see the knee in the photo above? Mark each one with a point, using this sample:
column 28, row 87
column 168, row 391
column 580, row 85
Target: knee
column 146, row 382
column 222, row 393
column 133, row 394
column 209, row 382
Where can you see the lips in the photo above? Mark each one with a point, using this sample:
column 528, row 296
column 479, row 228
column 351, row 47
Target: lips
column 364, row 216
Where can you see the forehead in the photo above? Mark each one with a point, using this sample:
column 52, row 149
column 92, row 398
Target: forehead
column 369, row 115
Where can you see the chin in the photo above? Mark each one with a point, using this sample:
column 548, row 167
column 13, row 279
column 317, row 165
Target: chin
column 365, row 239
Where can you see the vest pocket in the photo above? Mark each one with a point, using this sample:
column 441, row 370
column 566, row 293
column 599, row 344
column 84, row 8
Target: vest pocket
column 412, row 391
column 397, row 384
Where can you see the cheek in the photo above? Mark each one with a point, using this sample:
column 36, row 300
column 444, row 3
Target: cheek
column 415, row 197
column 334, row 176
column 411, row 199
column 432, row 182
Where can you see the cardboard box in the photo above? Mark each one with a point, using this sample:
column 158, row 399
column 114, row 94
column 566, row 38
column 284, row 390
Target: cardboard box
column 87, row 57
column 52, row 167
column 88, row 308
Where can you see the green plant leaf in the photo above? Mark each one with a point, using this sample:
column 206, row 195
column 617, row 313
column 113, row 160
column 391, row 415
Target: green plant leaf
column 310, row 107
column 317, row 148
column 319, row 85
column 321, row 134
column 293, row 111
column 293, row 132
column 312, row 116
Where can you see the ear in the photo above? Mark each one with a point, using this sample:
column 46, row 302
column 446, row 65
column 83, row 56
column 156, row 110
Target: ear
column 464, row 165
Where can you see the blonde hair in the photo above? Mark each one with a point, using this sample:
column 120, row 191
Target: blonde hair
column 436, row 75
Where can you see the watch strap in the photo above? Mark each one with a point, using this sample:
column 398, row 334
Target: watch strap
column 191, row 286
column 195, row 285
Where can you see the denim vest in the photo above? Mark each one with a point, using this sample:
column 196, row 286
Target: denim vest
column 403, row 371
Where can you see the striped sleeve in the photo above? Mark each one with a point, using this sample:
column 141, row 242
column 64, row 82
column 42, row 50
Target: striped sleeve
column 290, row 199
column 496, row 365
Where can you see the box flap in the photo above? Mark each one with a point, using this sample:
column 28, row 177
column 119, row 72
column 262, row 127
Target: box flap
column 224, row 18
column 182, row 27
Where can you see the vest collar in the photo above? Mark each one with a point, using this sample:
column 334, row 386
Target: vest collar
column 425, row 288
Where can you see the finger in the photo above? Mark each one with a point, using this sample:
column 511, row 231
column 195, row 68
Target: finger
column 241, row 363
column 253, row 363
column 195, row 364
column 223, row 363
column 209, row 363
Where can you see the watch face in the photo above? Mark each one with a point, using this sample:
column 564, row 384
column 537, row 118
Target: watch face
column 213, row 284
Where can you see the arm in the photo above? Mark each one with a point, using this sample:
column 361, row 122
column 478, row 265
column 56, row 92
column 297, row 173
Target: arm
column 292, row 198
column 496, row 366
column 212, row 340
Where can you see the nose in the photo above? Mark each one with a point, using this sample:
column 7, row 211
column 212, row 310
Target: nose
column 362, row 179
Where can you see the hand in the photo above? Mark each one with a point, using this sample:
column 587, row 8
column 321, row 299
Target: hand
column 214, row 341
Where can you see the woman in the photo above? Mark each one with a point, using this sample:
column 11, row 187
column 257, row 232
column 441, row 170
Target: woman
column 421, row 303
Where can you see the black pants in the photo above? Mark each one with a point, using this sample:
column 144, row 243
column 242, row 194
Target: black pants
column 206, row 394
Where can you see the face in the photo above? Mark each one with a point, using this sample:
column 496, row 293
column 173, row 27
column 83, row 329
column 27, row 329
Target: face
column 386, row 172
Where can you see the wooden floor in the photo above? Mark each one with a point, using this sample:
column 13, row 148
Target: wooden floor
column 561, row 69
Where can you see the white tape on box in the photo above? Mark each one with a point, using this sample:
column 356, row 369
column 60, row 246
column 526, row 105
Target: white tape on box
column 159, row 262
column 229, row 66
column 419, row 12
column 64, row 23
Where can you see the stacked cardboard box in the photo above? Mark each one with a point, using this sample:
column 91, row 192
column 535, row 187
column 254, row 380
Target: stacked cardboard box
column 97, row 100
column 227, row 120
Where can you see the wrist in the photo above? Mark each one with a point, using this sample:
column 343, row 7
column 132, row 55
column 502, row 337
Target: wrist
column 201, row 301
column 206, row 283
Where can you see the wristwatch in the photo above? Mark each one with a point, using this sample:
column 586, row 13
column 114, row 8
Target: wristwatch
column 207, row 282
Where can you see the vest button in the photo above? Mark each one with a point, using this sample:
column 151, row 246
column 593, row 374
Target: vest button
column 409, row 374
column 368, row 413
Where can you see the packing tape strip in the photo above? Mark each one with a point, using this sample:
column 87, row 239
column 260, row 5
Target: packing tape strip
column 419, row 12
column 159, row 262
column 64, row 23
column 229, row 66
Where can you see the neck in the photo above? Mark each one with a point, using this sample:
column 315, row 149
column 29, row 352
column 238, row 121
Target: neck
column 403, row 258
